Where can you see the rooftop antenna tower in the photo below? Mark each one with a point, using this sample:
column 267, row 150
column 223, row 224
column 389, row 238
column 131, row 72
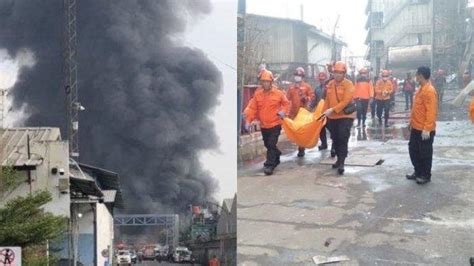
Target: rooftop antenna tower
column 70, row 76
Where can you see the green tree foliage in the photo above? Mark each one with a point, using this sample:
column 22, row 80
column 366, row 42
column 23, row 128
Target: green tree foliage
column 23, row 221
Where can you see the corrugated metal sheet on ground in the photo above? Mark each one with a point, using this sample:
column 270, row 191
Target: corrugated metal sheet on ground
column 356, row 160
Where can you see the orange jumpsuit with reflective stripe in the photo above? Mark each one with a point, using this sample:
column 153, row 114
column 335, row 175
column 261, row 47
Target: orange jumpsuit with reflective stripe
column 265, row 106
column 345, row 92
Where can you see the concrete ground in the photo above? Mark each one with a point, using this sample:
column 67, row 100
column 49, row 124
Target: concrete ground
column 373, row 215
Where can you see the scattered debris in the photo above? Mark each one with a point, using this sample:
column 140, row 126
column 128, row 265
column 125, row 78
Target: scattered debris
column 321, row 260
column 329, row 241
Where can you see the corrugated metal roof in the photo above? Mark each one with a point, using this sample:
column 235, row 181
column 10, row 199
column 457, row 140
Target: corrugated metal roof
column 107, row 180
column 311, row 28
column 13, row 144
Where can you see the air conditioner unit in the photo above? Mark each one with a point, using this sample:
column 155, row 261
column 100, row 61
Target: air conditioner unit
column 63, row 185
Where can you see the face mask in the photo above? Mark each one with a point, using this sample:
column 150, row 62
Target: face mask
column 385, row 78
column 298, row 78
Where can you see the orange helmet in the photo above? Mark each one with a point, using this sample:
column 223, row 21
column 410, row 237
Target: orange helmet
column 299, row 72
column 322, row 75
column 363, row 71
column 339, row 66
column 385, row 73
column 265, row 75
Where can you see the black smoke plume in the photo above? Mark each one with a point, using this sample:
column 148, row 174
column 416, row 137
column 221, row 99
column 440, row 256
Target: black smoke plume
column 147, row 96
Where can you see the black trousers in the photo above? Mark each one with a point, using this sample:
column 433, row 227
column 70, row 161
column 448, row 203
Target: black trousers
column 362, row 107
column 373, row 107
column 383, row 106
column 323, row 136
column 408, row 99
column 270, row 140
column 340, row 133
column 421, row 153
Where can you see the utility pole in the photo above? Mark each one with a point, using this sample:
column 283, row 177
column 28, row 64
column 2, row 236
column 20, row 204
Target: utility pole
column 70, row 76
column 433, row 22
column 333, row 41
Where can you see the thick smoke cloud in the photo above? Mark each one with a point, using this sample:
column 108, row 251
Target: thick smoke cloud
column 147, row 96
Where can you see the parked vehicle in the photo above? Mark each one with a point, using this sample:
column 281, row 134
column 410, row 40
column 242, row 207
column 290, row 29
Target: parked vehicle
column 123, row 257
column 182, row 254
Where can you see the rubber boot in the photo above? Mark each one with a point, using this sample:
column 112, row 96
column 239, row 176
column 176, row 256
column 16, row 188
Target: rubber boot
column 336, row 164
column 340, row 168
column 300, row 152
column 268, row 170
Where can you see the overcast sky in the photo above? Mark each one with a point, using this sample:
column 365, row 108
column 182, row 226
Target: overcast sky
column 322, row 14
column 216, row 35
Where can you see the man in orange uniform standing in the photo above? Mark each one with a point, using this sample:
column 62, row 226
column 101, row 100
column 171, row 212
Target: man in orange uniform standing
column 363, row 92
column 423, row 126
column 300, row 94
column 339, row 94
column 270, row 106
column 383, row 91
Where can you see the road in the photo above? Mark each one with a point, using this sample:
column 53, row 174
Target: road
column 372, row 215
column 153, row 263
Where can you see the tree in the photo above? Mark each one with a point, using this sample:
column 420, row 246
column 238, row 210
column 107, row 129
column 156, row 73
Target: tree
column 23, row 222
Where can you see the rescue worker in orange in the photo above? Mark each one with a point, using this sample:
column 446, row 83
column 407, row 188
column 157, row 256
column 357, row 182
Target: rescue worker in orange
column 339, row 95
column 300, row 94
column 320, row 94
column 214, row 261
column 423, row 126
column 269, row 105
column 471, row 108
column 383, row 91
column 364, row 91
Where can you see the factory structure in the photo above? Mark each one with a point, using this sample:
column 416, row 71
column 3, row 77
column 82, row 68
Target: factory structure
column 281, row 45
column 86, row 195
column 404, row 34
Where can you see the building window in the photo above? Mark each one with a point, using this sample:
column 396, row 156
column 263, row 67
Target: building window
column 419, row 38
column 376, row 19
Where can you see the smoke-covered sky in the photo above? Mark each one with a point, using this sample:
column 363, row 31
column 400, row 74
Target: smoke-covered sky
column 216, row 35
column 147, row 96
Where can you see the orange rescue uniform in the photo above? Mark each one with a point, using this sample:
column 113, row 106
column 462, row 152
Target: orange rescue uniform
column 471, row 111
column 425, row 108
column 363, row 90
column 265, row 106
column 383, row 89
column 345, row 92
column 214, row 262
column 295, row 95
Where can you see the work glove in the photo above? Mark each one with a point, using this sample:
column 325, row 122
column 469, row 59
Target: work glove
column 281, row 114
column 425, row 135
column 328, row 112
column 247, row 127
